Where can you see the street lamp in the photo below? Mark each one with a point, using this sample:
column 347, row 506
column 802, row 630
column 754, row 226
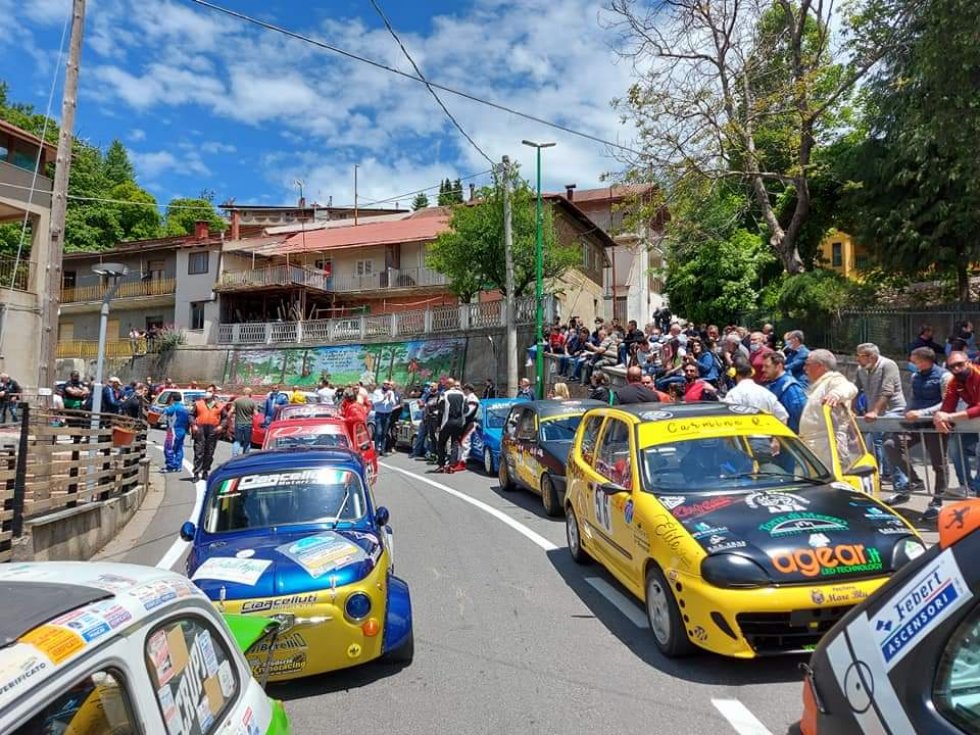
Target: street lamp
column 114, row 272
column 539, row 278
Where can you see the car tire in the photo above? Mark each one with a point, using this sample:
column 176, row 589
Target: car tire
column 403, row 655
column 573, row 537
column 488, row 461
column 549, row 496
column 666, row 622
column 503, row 476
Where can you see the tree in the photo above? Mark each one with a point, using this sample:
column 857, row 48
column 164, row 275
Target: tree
column 744, row 90
column 141, row 220
column 118, row 169
column 450, row 192
column 182, row 214
column 421, row 201
column 915, row 191
column 471, row 253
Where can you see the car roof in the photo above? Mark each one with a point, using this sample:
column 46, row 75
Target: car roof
column 336, row 425
column 658, row 411
column 292, row 458
column 104, row 597
column 550, row 407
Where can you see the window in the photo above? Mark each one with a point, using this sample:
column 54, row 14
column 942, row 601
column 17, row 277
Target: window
column 955, row 692
column 527, row 426
column 197, row 314
column 68, row 279
column 98, row 703
column 197, row 263
column 613, row 461
column 192, row 674
column 837, row 254
column 157, row 268
column 364, row 268
column 589, row 436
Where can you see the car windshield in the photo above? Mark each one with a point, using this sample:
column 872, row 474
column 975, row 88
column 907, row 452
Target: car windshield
column 317, row 495
column 560, row 428
column 497, row 416
column 711, row 463
column 307, row 411
column 307, row 439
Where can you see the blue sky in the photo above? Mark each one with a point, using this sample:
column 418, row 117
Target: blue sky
column 205, row 102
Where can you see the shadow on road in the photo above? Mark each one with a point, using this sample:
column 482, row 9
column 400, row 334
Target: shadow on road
column 335, row 681
column 702, row 668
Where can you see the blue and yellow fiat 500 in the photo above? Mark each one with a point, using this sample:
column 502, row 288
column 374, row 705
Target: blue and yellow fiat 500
column 296, row 535
column 734, row 535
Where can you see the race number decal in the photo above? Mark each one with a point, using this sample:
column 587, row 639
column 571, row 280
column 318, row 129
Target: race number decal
column 602, row 515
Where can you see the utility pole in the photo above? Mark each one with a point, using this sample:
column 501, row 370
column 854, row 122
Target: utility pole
column 59, row 203
column 510, row 310
column 355, row 194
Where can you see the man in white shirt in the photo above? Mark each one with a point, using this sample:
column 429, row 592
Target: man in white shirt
column 326, row 393
column 749, row 393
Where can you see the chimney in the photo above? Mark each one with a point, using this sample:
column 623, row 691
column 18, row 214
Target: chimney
column 570, row 192
column 201, row 230
column 472, row 192
column 236, row 225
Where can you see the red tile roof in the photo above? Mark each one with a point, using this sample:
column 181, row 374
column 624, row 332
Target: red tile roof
column 616, row 192
column 418, row 229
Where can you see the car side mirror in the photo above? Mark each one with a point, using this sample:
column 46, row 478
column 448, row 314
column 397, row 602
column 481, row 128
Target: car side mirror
column 187, row 531
column 611, row 488
column 381, row 517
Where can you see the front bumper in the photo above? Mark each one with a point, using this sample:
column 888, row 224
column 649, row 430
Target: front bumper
column 765, row 621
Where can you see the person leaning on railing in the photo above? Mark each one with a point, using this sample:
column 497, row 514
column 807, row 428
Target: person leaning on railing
column 965, row 387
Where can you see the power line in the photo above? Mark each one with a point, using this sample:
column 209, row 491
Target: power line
column 422, row 191
column 428, row 86
column 384, row 67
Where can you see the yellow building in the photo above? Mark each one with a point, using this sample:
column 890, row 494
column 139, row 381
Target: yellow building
column 838, row 252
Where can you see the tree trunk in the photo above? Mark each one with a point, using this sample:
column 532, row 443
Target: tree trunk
column 962, row 282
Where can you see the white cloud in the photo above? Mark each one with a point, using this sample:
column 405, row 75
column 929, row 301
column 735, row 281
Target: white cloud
column 47, row 12
column 152, row 164
column 137, row 134
column 215, row 147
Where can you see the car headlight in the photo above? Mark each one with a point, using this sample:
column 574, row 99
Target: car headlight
column 358, row 606
column 905, row 550
column 733, row 570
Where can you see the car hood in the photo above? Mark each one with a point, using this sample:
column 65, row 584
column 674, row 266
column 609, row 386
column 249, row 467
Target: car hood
column 803, row 533
column 559, row 450
column 251, row 566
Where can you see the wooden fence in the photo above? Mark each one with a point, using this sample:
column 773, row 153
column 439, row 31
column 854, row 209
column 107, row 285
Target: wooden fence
column 54, row 460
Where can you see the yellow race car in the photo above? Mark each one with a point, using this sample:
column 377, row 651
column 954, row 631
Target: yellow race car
column 734, row 535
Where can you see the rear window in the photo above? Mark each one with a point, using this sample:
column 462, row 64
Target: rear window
column 287, row 441
column 305, row 496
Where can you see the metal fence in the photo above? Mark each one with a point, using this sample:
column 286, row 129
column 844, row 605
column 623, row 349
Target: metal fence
column 56, row 459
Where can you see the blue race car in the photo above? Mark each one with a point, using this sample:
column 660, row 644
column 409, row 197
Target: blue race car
column 295, row 534
column 485, row 441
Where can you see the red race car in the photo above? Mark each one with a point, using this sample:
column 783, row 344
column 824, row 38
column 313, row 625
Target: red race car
column 324, row 432
column 289, row 412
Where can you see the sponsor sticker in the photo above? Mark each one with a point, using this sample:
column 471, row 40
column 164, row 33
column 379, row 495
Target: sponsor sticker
column 252, row 606
column 22, row 671
column 230, row 569
column 724, row 545
column 671, row 501
column 55, row 642
column 924, row 602
column 803, row 522
column 702, row 529
column 709, row 505
column 656, row 415
column 245, row 554
column 828, row 560
column 628, row 512
column 322, row 553
column 776, row 502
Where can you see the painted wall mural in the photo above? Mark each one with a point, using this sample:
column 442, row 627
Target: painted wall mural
column 407, row 363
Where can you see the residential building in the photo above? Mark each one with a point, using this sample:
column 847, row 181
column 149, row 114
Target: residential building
column 25, row 198
column 840, row 253
column 170, row 283
column 255, row 219
column 633, row 285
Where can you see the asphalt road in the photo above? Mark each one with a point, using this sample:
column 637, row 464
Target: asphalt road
column 510, row 635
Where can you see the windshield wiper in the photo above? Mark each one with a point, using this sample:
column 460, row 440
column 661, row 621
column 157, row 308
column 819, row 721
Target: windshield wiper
column 340, row 510
column 782, row 475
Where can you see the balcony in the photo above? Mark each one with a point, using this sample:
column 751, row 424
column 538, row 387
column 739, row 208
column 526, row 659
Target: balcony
column 15, row 274
column 282, row 276
column 129, row 289
column 279, row 276
column 89, row 349
column 389, row 280
column 15, row 184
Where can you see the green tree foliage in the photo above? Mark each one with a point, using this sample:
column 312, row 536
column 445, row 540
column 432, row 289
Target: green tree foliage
column 118, row 169
column 915, row 196
column 450, row 192
column 471, row 253
column 421, row 201
column 183, row 213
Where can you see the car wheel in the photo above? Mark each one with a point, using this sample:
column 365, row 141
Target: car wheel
column 404, row 654
column 503, row 476
column 549, row 496
column 574, row 538
column 488, row 461
column 669, row 631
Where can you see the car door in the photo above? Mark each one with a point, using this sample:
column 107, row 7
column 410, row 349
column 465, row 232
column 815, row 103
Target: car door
column 527, row 447
column 508, row 442
column 613, row 506
column 364, row 445
column 589, row 506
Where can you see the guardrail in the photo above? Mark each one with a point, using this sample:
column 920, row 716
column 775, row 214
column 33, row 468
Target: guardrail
column 439, row 319
column 128, row 289
column 89, row 349
column 278, row 275
column 15, row 274
column 53, row 460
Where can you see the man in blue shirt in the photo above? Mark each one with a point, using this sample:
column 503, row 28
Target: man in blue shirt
column 274, row 399
column 178, row 422
column 785, row 387
column 796, row 354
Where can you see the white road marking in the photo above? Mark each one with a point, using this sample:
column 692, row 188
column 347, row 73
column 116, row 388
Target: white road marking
column 739, row 717
column 179, row 546
column 537, row 538
column 620, row 601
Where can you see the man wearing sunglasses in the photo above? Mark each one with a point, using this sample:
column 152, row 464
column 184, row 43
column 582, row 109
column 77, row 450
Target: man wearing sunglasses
column 965, row 386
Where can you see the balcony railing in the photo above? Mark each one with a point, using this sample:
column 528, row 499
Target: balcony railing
column 89, row 349
column 386, row 280
column 129, row 289
column 15, row 274
column 15, row 184
column 440, row 319
column 279, row 275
